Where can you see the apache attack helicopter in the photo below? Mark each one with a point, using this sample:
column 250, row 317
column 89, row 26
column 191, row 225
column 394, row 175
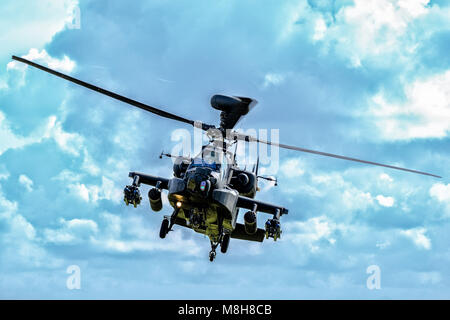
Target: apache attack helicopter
column 207, row 191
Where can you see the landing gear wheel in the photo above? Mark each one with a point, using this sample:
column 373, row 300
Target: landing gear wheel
column 224, row 244
column 212, row 256
column 164, row 229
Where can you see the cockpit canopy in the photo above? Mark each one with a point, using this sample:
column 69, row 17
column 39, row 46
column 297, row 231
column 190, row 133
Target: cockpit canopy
column 199, row 162
column 211, row 157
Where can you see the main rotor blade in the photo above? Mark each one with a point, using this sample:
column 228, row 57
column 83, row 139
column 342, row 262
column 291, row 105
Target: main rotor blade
column 285, row 146
column 113, row 95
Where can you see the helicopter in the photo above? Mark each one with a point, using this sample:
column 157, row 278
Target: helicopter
column 207, row 191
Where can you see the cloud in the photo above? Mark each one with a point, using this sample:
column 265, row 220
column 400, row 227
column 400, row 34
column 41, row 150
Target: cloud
column 273, row 79
column 417, row 235
column 383, row 244
column 36, row 24
column 372, row 29
column 67, row 176
column 69, row 142
column 19, row 240
column 355, row 199
column 72, row 231
column 176, row 244
column 293, row 13
column 64, row 65
column 117, row 235
column 94, row 193
column 425, row 113
column 386, row 177
column 26, row 182
column 441, row 192
column 311, row 232
column 292, row 168
column 10, row 140
column 318, row 70
column 385, row 201
column 320, row 29
column 16, row 71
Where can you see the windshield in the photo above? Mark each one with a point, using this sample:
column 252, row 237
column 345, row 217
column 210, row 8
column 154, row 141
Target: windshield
column 199, row 162
column 210, row 158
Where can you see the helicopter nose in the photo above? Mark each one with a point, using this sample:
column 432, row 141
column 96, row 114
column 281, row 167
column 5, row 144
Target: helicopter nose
column 199, row 183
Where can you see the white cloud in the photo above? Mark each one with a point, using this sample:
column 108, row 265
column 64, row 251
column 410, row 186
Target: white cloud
column 320, row 29
column 292, row 168
column 64, row 65
column 26, row 182
column 9, row 140
column 385, row 201
column 93, row 193
column 72, row 231
column 339, row 190
column 373, row 15
column 273, row 79
column 80, row 190
column 3, row 174
column 290, row 18
column 366, row 32
column 383, row 244
column 417, row 235
column 113, row 224
column 371, row 28
column 89, row 164
column 36, row 24
column 139, row 237
column 175, row 244
column 67, row 176
column 386, row 177
column 19, row 240
column 20, row 226
column 310, row 232
column 424, row 114
column 441, row 192
column 71, row 143
column 355, row 199
column 68, row 142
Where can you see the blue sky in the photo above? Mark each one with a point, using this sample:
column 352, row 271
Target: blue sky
column 367, row 79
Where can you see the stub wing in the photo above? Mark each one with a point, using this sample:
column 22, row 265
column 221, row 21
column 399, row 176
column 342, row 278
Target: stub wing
column 150, row 180
column 249, row 203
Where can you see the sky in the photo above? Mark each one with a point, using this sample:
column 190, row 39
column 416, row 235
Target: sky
column 367, row 79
